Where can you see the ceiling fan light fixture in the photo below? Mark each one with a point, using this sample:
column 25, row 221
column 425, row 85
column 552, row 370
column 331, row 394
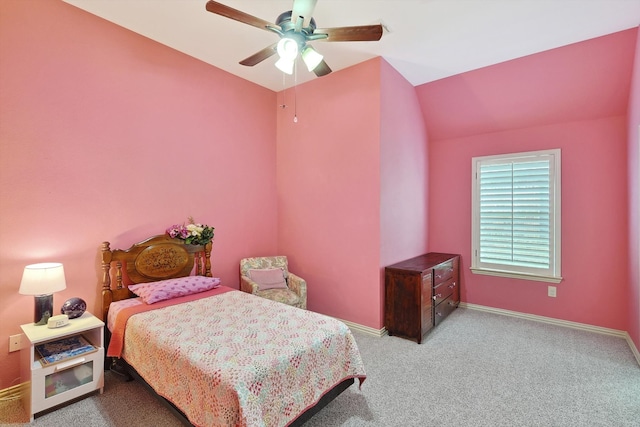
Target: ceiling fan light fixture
column 311, row 58
column 285, row 65
column 287, row 48
column 295, row 28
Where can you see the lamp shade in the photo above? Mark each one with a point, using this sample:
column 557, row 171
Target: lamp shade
column 311, row 58
column 285, row 65
column 42, row 279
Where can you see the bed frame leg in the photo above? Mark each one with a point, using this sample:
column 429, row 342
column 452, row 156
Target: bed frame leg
column 120, row 368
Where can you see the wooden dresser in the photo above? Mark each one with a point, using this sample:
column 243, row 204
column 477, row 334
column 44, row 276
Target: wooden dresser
column 420, row 292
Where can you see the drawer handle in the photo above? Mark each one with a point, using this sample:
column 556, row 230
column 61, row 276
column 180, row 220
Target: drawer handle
column 436, row 296
column 439, row 276
column 438, row 314
column 69, row 364
column 453, row 285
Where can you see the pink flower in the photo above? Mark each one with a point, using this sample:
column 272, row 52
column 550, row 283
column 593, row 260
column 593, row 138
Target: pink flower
column 192, row 233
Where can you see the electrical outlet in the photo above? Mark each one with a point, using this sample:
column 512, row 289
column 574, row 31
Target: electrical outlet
column 551, row 291
column 15, row 342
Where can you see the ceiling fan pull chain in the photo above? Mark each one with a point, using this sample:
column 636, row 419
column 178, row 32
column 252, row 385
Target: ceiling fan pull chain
column 295, row 93
column 284, row 93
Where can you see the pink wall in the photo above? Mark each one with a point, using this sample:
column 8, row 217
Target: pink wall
column 593, row 219
column 633, row 155
column 573, row 98
column 352, row 178
column 586, row 80
column 403, row 174
column 106, row 135
column 328, row 191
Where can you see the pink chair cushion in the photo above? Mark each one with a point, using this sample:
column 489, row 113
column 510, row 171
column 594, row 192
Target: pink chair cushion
column 268, row 278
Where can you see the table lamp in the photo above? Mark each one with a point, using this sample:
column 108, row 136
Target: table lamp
column 42, row 280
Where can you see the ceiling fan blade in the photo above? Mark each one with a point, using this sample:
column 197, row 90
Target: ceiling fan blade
column 322, row 69
column 258, row 57
column 361, row 33
column 303, row 8
column 237, row 15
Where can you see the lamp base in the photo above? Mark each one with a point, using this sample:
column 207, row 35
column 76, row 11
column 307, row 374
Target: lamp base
column 44, row 309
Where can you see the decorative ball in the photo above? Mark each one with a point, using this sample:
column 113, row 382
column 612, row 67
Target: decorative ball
column 74, row 307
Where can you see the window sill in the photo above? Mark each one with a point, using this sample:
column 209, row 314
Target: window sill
column 513, row 275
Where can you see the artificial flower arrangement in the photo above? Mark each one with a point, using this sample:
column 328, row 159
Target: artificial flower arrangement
column 192, row 233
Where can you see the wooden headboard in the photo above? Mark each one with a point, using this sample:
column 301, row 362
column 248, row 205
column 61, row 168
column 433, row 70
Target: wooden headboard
column 157, row 258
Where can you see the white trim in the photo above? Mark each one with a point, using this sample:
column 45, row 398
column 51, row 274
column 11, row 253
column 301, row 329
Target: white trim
column 633, row 347
column 553, row 156
column 490, row 272
column 558, row 322
column 365, row 329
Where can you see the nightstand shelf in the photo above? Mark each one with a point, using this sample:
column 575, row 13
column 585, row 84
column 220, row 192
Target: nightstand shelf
column 57, row 383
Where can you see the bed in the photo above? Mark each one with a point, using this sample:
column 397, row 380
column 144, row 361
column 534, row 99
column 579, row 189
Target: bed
column 219, row 356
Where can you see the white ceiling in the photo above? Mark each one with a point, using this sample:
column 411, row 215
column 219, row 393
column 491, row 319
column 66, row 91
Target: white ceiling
column 424, row 40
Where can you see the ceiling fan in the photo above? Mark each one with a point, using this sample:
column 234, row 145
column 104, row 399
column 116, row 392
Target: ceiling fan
column 295, row 28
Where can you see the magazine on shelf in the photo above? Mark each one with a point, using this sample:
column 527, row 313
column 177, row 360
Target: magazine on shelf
column 63, row 349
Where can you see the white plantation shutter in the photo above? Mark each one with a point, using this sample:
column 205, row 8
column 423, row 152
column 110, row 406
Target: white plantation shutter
column 516, row 207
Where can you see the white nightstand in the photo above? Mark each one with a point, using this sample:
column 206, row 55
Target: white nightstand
column 54, row 384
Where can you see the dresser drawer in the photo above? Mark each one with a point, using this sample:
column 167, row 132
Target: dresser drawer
column 443, row 291
column 63, row 381
column 443, row 309
column 443, row 272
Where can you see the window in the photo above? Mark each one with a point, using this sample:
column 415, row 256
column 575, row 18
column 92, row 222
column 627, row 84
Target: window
column 516, row 215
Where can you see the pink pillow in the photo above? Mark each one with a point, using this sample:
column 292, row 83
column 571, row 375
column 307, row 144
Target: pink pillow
column 268, row 278
column 171, row 288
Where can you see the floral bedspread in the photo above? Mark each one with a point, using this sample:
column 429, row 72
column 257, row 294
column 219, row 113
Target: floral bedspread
column 235, row 359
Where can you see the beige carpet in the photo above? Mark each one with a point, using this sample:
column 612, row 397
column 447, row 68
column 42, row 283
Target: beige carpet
column 475, row 369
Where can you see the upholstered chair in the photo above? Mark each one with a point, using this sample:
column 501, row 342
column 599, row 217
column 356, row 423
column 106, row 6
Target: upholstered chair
column 269, row 277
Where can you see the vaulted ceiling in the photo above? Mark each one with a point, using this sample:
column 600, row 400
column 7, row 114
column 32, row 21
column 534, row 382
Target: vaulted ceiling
column 425, row 40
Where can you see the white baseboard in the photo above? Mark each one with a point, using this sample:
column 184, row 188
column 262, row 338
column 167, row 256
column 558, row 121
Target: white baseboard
column 575, row 325
column 365, row 329
column 633, row 347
